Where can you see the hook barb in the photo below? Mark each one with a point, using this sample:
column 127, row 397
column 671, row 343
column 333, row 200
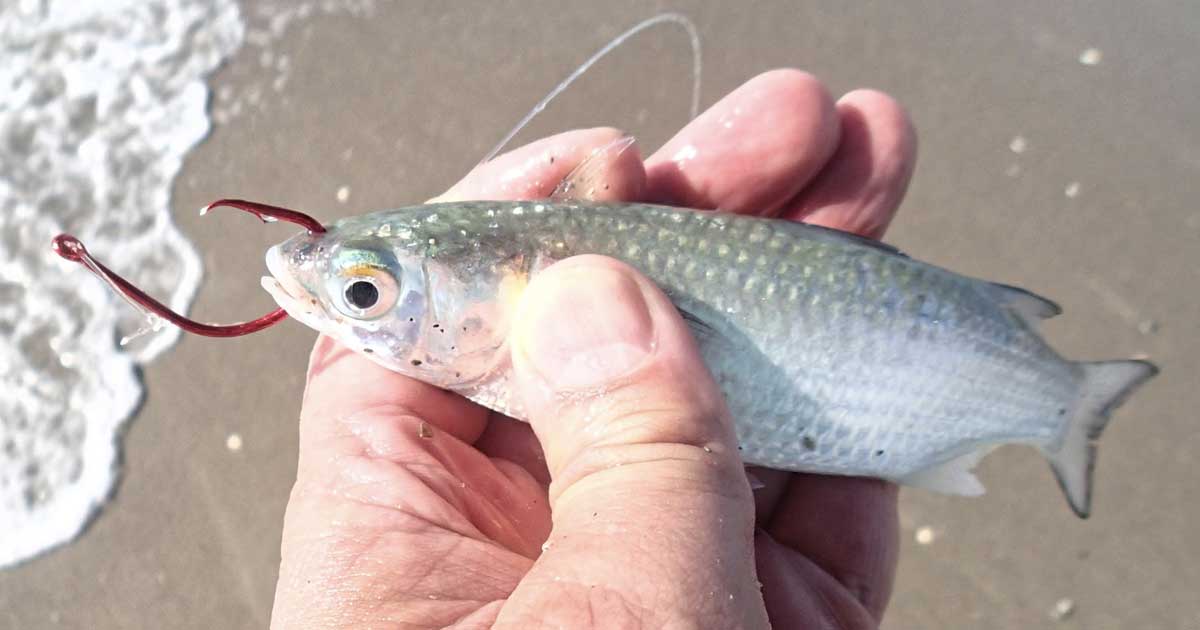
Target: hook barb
column 71, row 249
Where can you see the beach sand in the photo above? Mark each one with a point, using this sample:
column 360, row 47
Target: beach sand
column 1059, row 152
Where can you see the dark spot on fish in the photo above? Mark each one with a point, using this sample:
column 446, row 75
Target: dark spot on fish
column 436, row 325
column 809, row 443
column 415, row 362
column 424, row 431
column 1062, row 412
column 410, row 320
column 606, row 187
column 551, row 159
column 368, row 350
column 739, row 447
column 457, row 374
column 878, row 453
column 453, row 348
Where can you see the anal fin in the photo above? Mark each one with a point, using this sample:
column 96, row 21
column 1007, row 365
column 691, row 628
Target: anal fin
column 953, row 476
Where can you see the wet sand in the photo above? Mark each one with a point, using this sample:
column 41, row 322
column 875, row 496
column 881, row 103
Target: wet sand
column 1072, row 173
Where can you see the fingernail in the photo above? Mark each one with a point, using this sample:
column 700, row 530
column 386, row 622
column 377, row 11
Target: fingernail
column 584, row 326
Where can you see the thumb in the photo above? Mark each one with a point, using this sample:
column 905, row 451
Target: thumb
column 652, row 515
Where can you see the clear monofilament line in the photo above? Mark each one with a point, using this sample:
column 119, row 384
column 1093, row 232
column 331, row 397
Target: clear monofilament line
column 665, row 18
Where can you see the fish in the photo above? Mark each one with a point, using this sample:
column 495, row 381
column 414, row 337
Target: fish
column 836, row 354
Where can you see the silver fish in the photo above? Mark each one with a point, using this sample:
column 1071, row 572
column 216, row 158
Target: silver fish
column 836, row 354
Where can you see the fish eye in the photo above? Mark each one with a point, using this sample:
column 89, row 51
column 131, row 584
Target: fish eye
column 362, row 280
column 362, row 294
column 369, row 294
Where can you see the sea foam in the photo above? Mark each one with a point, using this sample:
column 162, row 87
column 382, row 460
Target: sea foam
column 99, row 102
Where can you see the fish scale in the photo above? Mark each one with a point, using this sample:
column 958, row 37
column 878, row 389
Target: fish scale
column 835, row 354
column 841, row 387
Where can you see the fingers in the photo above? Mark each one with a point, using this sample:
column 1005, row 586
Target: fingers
column 397, row 520
column 866, row 178
column 752, row 151
column 800, row 594
column 535, row 170
column 647, row 486
column 861, row 551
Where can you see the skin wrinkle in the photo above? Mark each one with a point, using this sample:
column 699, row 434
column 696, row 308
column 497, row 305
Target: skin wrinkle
column 325, row 354
column 394, row 597
column 454, row 624
column 582, row 472
column 591, row 608
column 478, row 501
column 452, row 500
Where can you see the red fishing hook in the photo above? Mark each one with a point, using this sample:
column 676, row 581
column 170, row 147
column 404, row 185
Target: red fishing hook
column 70, row 248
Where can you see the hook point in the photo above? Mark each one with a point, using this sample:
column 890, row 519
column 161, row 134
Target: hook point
column 269, row 214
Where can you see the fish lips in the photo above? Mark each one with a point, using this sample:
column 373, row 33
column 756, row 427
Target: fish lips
column 291, row 295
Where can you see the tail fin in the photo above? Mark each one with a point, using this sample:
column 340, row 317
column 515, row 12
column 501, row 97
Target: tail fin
column 1106, row 385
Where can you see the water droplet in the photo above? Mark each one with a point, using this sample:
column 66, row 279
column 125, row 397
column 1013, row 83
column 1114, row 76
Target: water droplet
column 1072, row 190
column 343, row 194
column 234, row 442
column 688, row 152
column 1018, row 144
column 924, row 535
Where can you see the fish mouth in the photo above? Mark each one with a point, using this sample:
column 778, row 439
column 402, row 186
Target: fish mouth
column 289, row 293
column 281, row 277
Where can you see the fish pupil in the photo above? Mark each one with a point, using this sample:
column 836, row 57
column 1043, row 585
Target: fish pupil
column 362, row 294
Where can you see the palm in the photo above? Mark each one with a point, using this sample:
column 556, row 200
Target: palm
column 416, row 508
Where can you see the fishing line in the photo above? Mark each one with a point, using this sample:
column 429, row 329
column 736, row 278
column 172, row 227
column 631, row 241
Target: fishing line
column 665, row 18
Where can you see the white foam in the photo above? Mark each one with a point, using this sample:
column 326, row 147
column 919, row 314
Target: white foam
column 99, row 102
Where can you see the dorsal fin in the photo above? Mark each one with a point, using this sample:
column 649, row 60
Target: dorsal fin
column 849, row 237
column 1030, row 307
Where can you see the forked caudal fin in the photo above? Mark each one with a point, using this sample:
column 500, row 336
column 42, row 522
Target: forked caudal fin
column 1105, row 386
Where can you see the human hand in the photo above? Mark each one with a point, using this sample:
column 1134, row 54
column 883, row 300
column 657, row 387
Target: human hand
column 415, row 508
